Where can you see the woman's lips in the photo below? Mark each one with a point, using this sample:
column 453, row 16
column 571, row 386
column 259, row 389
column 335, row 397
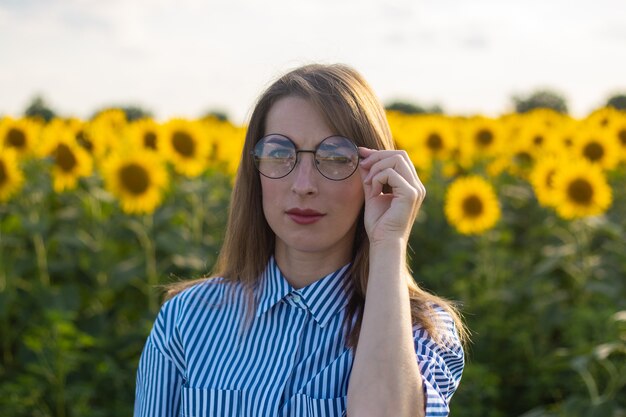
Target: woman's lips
column 304, row 218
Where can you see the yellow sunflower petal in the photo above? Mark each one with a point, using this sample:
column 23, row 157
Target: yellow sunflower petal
column 186, row 146
column 138, row 181
column 11, row 177
column 471, row 205
column 581, row 190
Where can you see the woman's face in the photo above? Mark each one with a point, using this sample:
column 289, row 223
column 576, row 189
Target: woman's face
column 304, row 188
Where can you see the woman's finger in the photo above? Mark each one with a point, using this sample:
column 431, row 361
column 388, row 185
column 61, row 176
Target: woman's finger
column 371, row 156
column 399, row 185
column 395, row 161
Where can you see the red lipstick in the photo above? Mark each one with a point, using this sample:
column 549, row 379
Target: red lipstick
column 304, row 216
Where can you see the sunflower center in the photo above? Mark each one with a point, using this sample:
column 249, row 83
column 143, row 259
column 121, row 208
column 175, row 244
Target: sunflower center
column 16, row 138
column 3, row 174
column 604, row 122
column 580, row 191
column 134, row 178
column 538, row 140
column 549, row 177
column 523, row 158
column 149, row 140
column 65, row 158
column 434, row 142
column 472, row 206
column 567, row 141
column 183, row 143
column 484, row 137
column 593, row 151
column 622, row 136
column 83, row 140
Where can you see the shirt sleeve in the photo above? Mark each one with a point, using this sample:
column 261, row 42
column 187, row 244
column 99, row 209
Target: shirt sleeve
column 441, row 365
column 160, row 374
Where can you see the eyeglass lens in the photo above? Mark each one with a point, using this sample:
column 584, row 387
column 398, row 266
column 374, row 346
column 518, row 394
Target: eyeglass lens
column 336, row 157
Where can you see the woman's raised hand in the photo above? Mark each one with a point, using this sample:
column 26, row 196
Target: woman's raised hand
column 389, row 216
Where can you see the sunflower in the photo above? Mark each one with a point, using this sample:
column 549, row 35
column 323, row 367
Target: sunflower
column 112, row 118
column 138, row 180
column 186, row 146
column 619, row 133
column 546, row 118
column 226, row 142
column 603, row 118
column 103, row 134
column 71, row 162
column 11, row 177
column 435, row 136
column 480, row 137
column 581, row 190
column 597, row 146
column 542, row 179
column 536, row 134
column 561, row 139
column 144, row 134
column 19, row 135
column 471, row 205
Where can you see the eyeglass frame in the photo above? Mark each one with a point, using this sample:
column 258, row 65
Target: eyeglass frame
column 313, row 151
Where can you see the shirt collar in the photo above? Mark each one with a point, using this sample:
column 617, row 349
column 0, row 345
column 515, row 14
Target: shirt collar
column 324, row 297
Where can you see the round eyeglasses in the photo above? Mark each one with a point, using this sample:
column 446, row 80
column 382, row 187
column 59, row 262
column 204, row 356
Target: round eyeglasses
column 336, row 157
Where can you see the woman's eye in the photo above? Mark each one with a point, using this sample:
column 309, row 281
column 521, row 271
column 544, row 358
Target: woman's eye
column 280, row 154
column 336, row 159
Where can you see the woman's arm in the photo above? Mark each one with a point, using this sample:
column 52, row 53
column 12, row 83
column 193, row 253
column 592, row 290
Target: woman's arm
column 385, row 379
column 157, row 392
column 159, row 375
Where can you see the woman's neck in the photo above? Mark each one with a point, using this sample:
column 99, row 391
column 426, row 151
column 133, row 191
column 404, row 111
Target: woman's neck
column 304, row 268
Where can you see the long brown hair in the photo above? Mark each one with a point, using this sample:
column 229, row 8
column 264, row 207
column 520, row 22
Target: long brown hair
column 350, row 107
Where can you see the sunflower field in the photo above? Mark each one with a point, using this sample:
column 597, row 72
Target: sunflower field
column 524, row 225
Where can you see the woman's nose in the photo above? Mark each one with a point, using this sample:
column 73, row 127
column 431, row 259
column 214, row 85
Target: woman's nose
column 305, row 175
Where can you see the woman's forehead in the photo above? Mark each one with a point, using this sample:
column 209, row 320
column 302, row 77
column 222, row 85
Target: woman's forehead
column 298, row 119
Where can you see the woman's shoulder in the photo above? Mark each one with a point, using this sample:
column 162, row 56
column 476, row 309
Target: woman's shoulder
column 199, row 292
column 447, row 337
column 193, row 298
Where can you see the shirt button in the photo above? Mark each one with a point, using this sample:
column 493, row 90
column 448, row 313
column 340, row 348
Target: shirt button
column 296, row 298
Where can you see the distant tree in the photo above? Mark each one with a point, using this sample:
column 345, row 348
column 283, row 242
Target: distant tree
column 216, row 114
column 546, row 99
column 618, row 101
column 412, row 108
column 134, row 113
column 39, row 108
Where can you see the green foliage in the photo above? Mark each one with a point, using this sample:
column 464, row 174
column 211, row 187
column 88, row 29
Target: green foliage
column 78, row 289
column 38, row 108
column 544, row 298
column 220, row 115
column 541, row 297
column 412, row 108
column 539, row 99
column 617, row 101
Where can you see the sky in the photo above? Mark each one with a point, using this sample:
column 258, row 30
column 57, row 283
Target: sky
column 186, row 57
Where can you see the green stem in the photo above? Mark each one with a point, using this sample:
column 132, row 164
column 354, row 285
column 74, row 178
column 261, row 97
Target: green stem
column 143, row 231
column 583, row 253
column 60, row 389
column 42, row 259
column 590, row 383
column 151, row 265
column 197, row 209
column 6, row 328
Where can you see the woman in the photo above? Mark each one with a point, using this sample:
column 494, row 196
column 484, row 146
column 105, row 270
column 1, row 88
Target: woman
column 310, row 234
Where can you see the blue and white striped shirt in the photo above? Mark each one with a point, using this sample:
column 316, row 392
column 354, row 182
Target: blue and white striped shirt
column 292, row 361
